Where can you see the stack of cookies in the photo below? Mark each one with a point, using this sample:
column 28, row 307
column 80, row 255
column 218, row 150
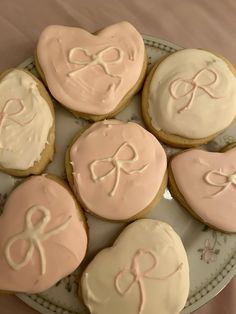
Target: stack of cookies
column 115, row 170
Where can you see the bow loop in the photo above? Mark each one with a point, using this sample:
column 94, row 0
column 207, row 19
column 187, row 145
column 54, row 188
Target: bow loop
column 123, row 150
column 179, row 87
column 203, row 80
column 111, row 55
column 80, row 56
column 12, row 108
column 124, row 281
column 228, row 180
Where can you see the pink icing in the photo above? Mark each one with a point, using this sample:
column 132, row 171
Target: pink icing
column 60, row 238
column 194, row 85
column 207, row 182
column 138, row 275
column 91, row 73
column 118, row 168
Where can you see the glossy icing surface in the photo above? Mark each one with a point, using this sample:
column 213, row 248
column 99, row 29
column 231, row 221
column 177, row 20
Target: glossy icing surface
column 42, row 238
column 207, row 182
column 25, row 121
column 188, row 93
column 118, row 168
column 148, row 259
column 91, row 73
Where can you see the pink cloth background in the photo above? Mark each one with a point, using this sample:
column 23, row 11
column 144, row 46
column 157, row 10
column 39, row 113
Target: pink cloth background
column 188, row 23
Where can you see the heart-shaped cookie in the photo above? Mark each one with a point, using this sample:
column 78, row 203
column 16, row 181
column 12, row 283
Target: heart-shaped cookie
column 205, row 183
column 92, row 75
column 140, row 274
column 42, row 235
column 27, row 130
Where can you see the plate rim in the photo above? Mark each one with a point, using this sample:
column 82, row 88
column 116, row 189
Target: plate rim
column 204, row 294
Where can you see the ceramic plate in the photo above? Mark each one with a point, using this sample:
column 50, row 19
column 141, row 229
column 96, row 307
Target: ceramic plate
column 211, row 254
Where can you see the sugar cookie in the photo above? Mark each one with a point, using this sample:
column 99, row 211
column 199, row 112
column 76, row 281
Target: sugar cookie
column 27, row 128
column 145, row 272
column 205, row 183
column 117, row 169
column 189, row 97
column 92, row 75
column 42, row 235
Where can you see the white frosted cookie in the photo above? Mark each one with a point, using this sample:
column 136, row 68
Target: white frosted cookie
column 43, row 235
column 92, row 75
column 117, row 169
column 189, row 97
column 145, row 272
column 27, row 130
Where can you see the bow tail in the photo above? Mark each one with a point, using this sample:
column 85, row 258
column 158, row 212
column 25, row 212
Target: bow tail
column 209, row 92
column 135, row 171
column 142, row 299
column 92, row 170
column 190, row 101
column 223, row 188
column 166, row 276
column 117, row 283
column 42, row 256
column 117, row 179
column 22, row 123
column 25, row 260
column 73, row 72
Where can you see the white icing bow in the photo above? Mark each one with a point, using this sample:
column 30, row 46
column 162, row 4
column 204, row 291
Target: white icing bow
column 118, row 166
column 230, row 179
column 139, row 274
column 95, row 59
column 34, row 234
column 194, row 86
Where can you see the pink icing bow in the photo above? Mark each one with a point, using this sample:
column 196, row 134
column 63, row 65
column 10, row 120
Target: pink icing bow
column 230, row 180
column 195, row 85
column 139, row 275
column 10, row 115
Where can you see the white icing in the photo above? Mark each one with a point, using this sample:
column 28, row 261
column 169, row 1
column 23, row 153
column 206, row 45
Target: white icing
column 147, row 260
column 203, row 83
column 118, row 166
column 138, row 275
column 93, row 296
column 195, row 85
column 34, row 234
column 25, row 121
column 18, row 108
column 230, row 179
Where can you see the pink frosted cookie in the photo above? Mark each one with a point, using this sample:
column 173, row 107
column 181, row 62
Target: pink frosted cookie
column 43, row 235
column 92, row 75
column 117, row 169
column 205, row 183
column 145, row 272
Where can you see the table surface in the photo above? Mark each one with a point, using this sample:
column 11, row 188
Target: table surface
column 188, row 23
